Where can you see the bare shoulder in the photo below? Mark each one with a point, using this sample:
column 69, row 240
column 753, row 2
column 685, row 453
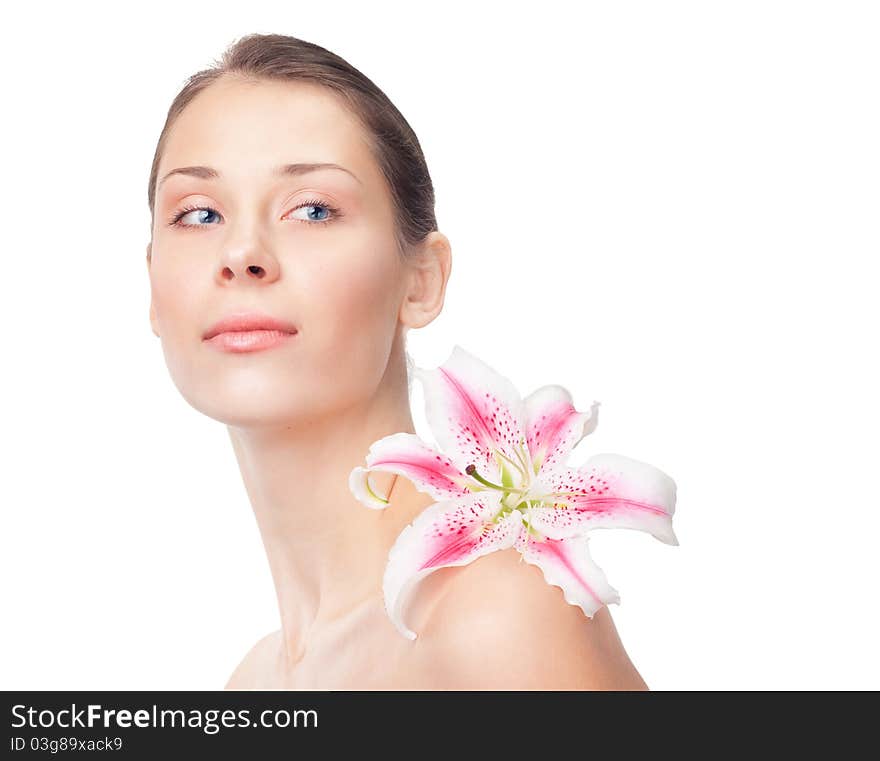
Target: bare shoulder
column 499, row 625
column 248, row 673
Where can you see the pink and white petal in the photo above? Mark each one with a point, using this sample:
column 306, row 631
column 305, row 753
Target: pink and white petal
column 607, row 491
column 363, row 490
column 450, row 533
column 472, row 410
column 567, row 564
column 430, row 471
column 553, row 425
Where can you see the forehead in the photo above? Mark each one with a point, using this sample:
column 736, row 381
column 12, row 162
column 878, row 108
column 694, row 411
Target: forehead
column 246, row 128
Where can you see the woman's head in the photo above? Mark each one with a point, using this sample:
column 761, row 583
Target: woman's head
column 351, row 256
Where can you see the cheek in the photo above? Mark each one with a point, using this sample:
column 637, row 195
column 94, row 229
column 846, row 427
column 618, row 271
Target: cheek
column 173, row 298
column 360, row 300
column 356, row 316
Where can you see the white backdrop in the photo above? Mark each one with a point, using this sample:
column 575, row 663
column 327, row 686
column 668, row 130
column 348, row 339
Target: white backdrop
column 667, row 207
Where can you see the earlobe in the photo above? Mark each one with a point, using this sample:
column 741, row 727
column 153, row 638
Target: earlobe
column 153, row 322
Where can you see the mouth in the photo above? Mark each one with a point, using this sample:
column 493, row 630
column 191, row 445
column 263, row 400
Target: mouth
column 243, row 322
column 249, row 331
column 240, row 341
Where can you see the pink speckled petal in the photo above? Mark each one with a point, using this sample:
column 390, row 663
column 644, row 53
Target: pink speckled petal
column 444, row 534
column 567, row 564
column 360, row 485
column 607, row 491
column 472, row 409
column 553, row 426
column 407, row 455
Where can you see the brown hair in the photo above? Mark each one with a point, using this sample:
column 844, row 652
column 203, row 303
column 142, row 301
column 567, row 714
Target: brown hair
column 394, row 145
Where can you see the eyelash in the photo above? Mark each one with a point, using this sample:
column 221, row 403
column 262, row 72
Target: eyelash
column 334, row 212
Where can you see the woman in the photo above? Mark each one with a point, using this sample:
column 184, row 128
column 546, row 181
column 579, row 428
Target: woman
column 293, row 245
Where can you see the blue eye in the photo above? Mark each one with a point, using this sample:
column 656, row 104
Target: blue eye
column 314, row 206
column 188, row 210
column 207, row 211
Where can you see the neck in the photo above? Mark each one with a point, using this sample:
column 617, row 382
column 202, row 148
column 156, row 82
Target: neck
column 327, row 552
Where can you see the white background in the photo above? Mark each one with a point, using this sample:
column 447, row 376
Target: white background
column 667, row 207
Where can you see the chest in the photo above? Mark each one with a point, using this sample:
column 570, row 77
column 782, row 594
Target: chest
column 359, row 663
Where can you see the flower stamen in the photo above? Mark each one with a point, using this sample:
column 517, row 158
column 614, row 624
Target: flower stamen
column 522, row 472
column 471, row 470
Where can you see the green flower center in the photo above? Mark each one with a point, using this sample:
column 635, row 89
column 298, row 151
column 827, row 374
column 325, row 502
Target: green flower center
column 517, row 481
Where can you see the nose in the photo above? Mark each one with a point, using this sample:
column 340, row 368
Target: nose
column 252, row 270
column 248, row 262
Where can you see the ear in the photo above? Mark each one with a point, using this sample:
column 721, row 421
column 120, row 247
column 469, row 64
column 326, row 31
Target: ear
column 153, row 322
column 428, row 273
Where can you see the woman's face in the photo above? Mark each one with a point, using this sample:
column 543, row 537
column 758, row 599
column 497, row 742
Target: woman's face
column 331, row 267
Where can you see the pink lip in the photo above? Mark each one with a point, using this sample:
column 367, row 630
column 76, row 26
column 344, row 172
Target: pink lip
column 249, row 340
column 249, row 331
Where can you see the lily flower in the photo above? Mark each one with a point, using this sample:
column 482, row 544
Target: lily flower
column 500, row 480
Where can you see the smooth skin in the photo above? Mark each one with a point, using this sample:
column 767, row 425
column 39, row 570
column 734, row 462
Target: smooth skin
column 302, row 415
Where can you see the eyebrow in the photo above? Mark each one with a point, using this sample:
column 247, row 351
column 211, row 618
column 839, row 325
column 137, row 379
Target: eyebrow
column 288, row 170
